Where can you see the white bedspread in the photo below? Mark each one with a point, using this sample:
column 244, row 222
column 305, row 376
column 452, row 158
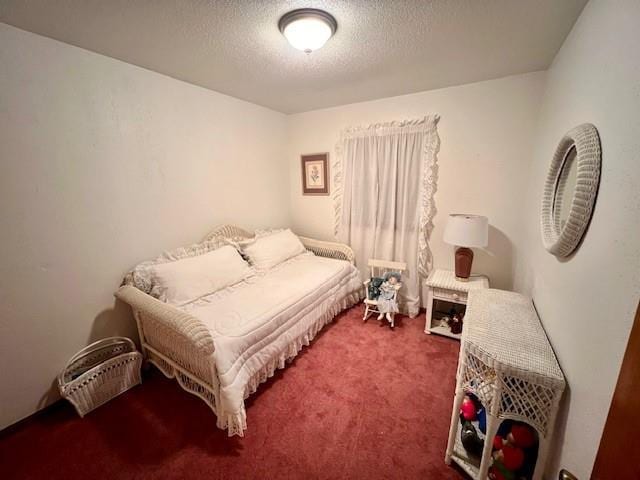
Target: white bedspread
column 259, row 323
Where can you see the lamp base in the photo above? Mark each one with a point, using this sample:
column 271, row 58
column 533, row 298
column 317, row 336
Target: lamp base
column 464, row 260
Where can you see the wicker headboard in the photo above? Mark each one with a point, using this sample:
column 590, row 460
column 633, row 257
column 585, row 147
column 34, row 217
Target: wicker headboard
column 228, row 231
column 321, row 248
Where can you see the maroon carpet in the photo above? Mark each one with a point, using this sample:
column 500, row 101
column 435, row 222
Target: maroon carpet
column 362, row 402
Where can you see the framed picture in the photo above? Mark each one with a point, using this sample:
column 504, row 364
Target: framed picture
column 315, row 174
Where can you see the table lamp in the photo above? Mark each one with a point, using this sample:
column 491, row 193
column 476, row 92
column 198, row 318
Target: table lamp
column 465, row 231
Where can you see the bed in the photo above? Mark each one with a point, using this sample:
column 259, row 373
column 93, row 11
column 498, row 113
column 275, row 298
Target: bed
column 220, row 346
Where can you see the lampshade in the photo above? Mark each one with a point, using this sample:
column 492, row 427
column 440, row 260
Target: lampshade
column 465, row 230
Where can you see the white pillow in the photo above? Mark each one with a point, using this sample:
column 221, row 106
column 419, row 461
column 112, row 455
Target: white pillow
column 190, row 278
column 270, row 250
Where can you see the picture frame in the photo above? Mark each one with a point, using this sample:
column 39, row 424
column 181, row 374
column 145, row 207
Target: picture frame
column 315, row 174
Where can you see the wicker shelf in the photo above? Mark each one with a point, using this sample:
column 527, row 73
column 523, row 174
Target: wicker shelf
column 507, row 362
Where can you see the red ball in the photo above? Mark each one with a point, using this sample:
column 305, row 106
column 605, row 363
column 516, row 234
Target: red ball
column 498, row 442
column 513, row 457
column 523, row 436
column 468, row 409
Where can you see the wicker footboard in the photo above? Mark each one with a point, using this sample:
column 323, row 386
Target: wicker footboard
column 175, row 342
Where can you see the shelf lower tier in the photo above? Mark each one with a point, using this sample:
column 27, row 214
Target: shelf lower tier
column 470, row 464
column 445, row 332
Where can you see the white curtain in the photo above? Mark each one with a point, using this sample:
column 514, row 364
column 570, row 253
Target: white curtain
column 384, row 182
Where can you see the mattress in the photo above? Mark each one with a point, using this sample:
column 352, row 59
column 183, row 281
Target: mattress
column 260, row 322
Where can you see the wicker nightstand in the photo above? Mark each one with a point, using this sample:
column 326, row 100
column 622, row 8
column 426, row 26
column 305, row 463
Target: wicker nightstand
column 444, row 294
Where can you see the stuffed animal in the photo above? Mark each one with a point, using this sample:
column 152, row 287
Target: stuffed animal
column 511, row 457
column 374, row 287
column 468, row 409
column 455, row 324
column 516, row 434
column 470, row 439
column 514, row 451
column 498, row 472
column 521, row 436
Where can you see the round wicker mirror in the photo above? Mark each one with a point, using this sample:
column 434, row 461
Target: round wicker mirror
column 570, row 190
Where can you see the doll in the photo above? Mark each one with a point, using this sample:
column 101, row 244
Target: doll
column 387, row 304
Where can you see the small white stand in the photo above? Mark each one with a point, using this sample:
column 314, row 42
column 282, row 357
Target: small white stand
column 442, row 285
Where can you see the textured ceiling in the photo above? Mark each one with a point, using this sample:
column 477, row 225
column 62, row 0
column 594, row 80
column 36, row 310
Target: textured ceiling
column 381, row 48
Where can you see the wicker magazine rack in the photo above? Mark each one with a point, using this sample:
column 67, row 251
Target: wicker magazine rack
column 100, row 372
column 506, row 361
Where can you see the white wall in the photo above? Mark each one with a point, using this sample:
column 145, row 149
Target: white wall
column 104, row 164
column 587, row 302
column 486, row 139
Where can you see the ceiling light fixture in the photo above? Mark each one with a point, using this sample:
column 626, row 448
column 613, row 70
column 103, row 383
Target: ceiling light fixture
column 307, row 29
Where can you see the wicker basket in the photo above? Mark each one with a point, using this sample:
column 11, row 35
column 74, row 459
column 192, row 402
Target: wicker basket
column 100, row 372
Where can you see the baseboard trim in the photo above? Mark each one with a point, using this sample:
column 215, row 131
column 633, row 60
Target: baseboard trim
column 56, row 405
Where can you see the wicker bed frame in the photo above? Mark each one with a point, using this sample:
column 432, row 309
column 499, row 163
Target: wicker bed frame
column 180, row 345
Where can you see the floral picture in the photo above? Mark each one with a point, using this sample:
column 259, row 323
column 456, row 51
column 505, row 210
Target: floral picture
column 315, row 174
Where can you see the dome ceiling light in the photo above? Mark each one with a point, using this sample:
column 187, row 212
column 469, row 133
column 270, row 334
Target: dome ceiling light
column 307, row 29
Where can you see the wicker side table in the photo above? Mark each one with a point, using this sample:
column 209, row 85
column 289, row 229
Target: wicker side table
column 507, row 362
column 442, row 286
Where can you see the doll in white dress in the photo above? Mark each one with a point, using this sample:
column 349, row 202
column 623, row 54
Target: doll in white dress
column 387, row 303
